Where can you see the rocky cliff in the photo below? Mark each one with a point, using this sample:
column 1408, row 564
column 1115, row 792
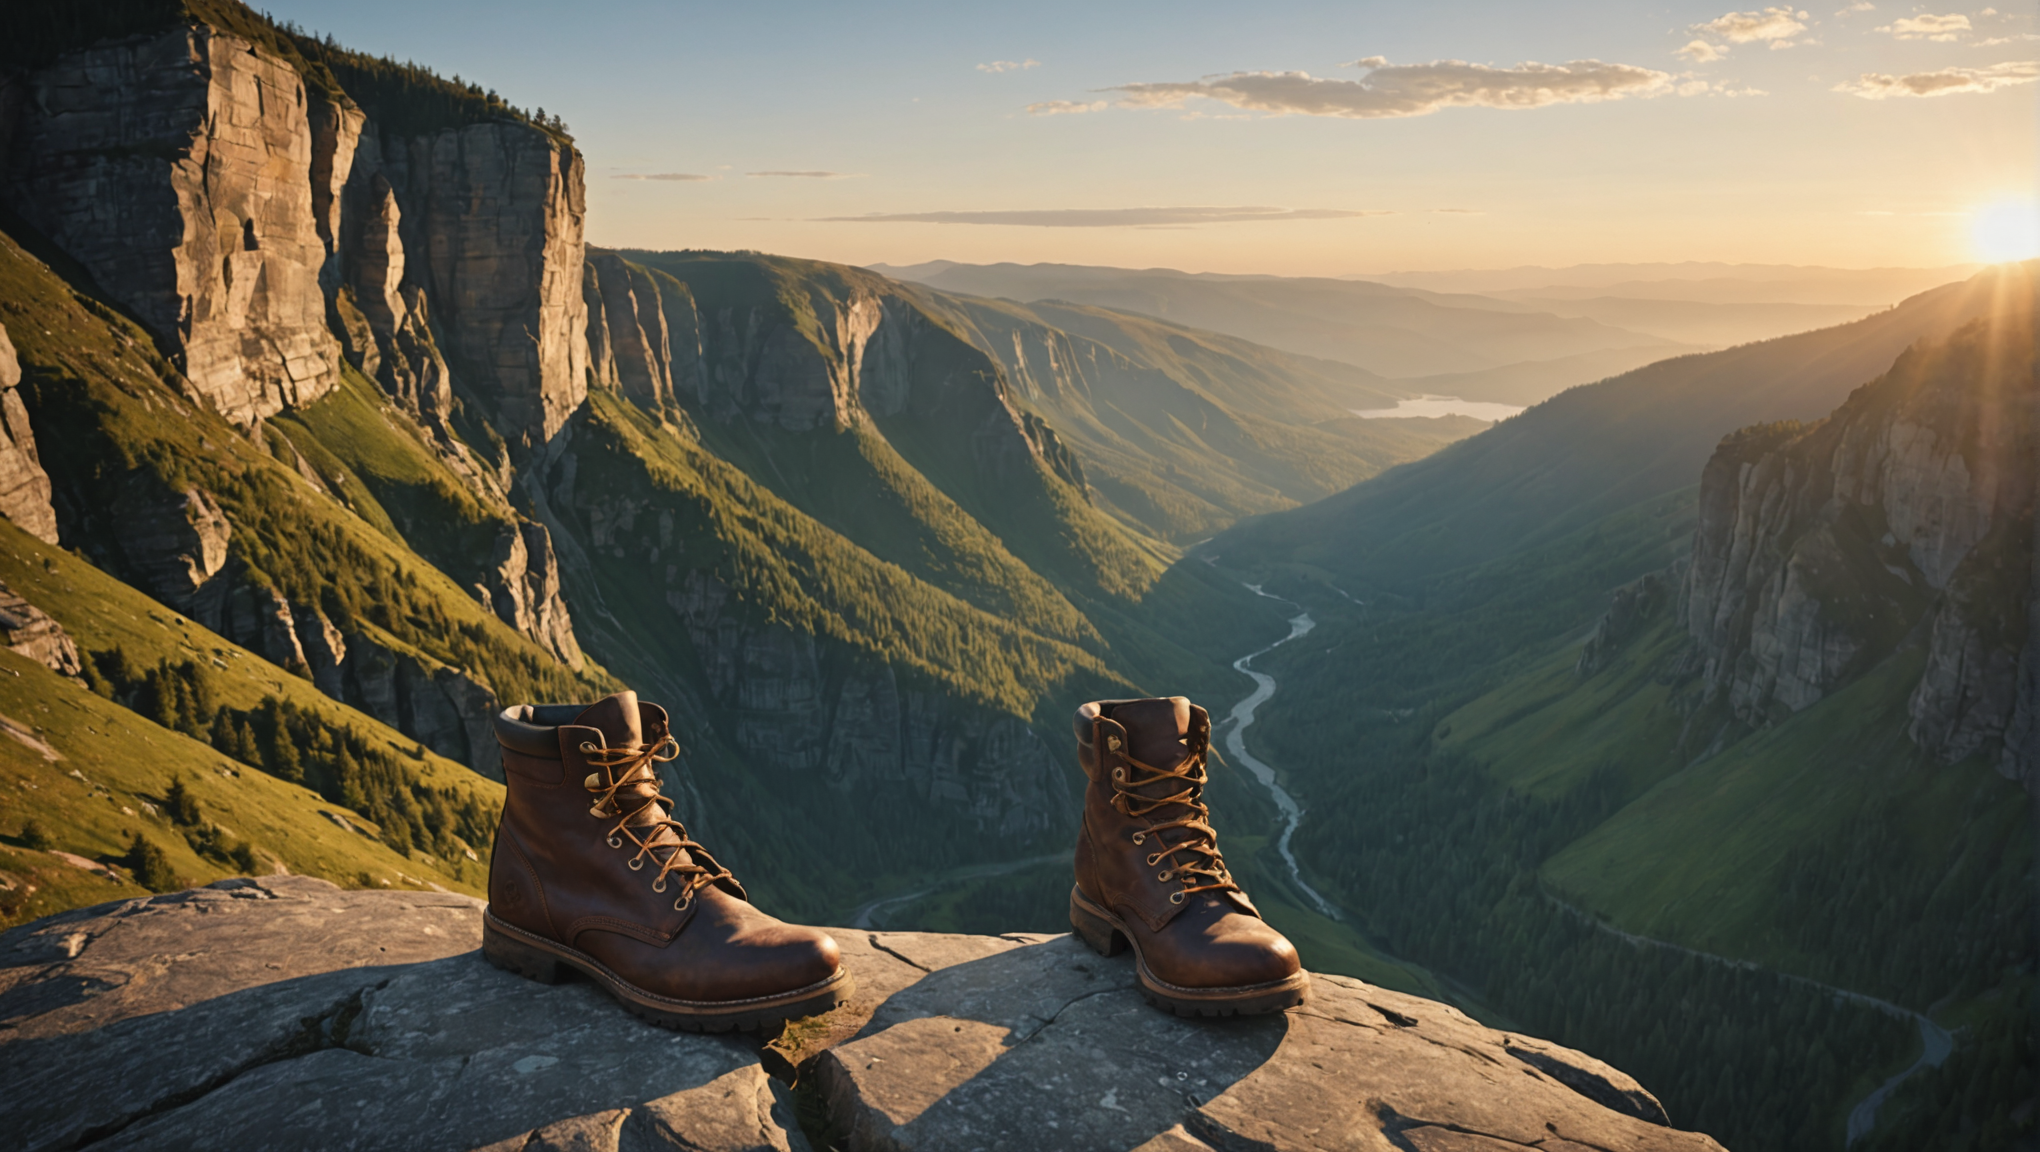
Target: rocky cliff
column 24, row 486
column 238, row 1015
column 177, row 167
column 1905, row 517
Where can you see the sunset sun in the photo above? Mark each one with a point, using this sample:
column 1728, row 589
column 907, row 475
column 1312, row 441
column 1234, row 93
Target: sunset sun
column 2005, row 231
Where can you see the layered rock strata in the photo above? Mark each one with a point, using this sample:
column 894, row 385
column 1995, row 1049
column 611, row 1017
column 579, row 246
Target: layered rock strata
column 1906, row 516
column 236, row 1015
column 178, row 169
column 24, row 486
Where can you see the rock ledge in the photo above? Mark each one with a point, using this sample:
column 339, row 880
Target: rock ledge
column 287, row 1013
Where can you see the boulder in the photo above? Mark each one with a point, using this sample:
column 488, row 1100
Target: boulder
column 287, row 1013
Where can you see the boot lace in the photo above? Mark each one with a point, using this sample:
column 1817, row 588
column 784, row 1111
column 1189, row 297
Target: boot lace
column 1204, row 870
column 621, row 768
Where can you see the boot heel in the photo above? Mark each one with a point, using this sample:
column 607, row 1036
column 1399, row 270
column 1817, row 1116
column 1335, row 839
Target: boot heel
column 1103, row 938
column 513, row 955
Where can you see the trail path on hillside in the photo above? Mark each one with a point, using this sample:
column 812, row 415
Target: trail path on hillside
column 1936, row 1042
column 1242, row 718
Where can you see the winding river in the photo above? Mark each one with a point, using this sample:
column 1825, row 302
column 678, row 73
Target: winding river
column 1242, row 718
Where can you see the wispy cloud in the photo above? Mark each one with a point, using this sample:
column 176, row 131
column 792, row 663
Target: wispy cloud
column 997, row 66
column 1929, row 27
column 1110, row 217
column 1391, row 90
column 1064, row 107
column 1701, row 52
column 1858, row 6
column 808, row 175
column 1772, row 25
column 674, row 176
column 1943, row 82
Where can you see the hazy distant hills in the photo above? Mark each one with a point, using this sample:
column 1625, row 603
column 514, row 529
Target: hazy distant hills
column 1590, row 451
column 1511, row 336
column 1390, row 331
column 1705, row 282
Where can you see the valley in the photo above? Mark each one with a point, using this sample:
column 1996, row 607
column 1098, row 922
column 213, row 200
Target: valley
column 1642, row 657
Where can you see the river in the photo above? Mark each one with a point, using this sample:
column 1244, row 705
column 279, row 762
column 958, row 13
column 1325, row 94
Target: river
column 1242, row 718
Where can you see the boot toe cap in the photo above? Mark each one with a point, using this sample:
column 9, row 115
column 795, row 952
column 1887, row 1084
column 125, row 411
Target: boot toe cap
column 784, row 957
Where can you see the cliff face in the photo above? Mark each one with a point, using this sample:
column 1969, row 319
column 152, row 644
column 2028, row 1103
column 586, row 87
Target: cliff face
column 1907, row 515
column 178, row 169
column 490, row 217
column 818, row 710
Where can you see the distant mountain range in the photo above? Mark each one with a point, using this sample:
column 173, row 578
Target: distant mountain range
column 1525, row 334
column 1703, row 282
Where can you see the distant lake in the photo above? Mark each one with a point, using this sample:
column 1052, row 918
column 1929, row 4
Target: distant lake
column 1440, row 406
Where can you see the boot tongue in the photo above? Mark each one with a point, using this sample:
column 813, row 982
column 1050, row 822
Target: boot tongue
column 1155, row 730
column 620, row 721
column 617, row 719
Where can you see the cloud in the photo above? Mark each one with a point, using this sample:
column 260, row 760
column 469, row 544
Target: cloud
column 1773, row 24
column 1929, row 27
column 998, row 66
column 1108, row 217
column 674, row 176
column 1701, row 52
column 809, row 175
column 1858, row 6
column 1391, row 90
column 1945, row 82
column 1063, row 107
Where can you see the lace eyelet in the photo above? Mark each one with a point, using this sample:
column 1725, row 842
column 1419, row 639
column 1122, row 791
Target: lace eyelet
column 659, row 885
column 1119, row 774
column 593, row 783
column 616, row 841
column 637, row 863
column 598, row 812
column 681, row 904
column 1176, row 897
column 1140, row 837
column 1164, row 875
column 1154, row 858
column 588, row 746
column 1112, row 743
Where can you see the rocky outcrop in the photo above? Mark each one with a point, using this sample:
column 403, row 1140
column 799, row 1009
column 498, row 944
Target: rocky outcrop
column 24, row 486
column 523, row 590
column 178, row 169
column 284, row 1012
column 1633, row 606
column 28, row 631
column 1906, row 515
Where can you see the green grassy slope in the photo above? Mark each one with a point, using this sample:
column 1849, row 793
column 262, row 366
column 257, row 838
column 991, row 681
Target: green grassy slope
column 126, row 761
column 92, row 382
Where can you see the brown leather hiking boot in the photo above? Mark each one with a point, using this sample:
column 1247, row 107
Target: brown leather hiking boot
column 1149, row 872
column 592, row 873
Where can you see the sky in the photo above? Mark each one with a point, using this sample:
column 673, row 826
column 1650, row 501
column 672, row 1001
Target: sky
column 1292, row 139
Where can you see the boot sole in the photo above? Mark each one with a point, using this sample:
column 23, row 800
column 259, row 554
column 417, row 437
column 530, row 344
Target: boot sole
column 536, row 958
column 1107, row 936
